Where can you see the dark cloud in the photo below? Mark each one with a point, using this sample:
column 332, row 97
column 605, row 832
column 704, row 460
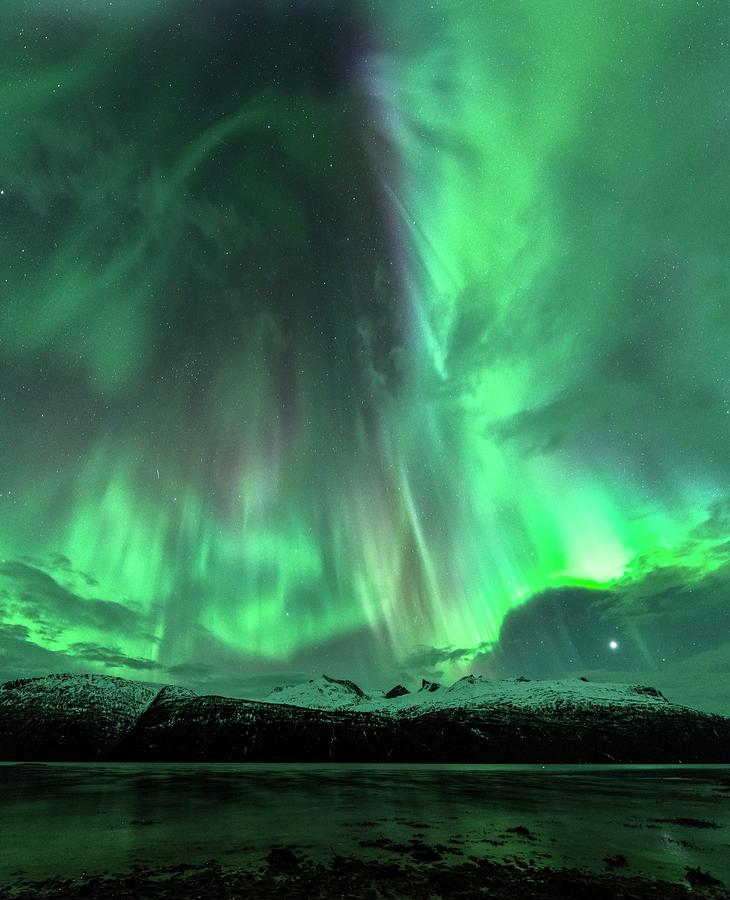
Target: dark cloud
column 556, row 631
column 426, row 659
column 21, row 657
column 111, row 657
column 58, row 562
column 717, row 523
column 42, row 599
column 544, row 429
column 191, row 670
column 13, row 633
column 671, row 625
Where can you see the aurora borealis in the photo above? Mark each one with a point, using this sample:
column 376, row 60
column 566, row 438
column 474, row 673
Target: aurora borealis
column 382, row 339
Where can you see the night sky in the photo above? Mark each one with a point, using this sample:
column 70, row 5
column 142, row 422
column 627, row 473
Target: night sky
column 382, row 339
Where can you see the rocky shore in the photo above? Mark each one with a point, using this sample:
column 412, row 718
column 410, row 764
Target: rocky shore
column 420, row 874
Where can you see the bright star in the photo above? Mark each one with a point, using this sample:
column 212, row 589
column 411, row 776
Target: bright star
column 613, row 645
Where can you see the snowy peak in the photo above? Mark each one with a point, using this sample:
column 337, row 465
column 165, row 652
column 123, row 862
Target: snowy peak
column 85, row 689
column 75, row 712
column 470, row 692
column 319, row 693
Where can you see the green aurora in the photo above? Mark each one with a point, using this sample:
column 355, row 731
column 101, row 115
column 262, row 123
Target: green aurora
column 377, row 338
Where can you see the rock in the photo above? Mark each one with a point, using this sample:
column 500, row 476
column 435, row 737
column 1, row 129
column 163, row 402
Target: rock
column 350, row 685
column 397, row 691
column 283, row 860
column 697, row 878
column 522, row 831
column 649, row 691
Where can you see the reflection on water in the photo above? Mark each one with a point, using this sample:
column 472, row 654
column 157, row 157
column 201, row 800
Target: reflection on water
column 67, row 819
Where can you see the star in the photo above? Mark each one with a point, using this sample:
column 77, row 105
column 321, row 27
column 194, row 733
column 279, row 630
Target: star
column 613, row 645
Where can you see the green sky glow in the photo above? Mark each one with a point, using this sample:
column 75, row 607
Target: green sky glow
column 335, row 336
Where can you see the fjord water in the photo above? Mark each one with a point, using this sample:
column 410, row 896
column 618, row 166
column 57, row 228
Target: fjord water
column 68, row 819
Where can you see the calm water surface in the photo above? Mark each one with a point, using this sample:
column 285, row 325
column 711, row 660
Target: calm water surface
column 63, row 820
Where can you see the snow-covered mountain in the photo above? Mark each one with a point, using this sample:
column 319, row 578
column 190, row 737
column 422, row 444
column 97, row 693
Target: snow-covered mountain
column 320, row 693
column 77, row 714
column 471, row 692
column 333, row 720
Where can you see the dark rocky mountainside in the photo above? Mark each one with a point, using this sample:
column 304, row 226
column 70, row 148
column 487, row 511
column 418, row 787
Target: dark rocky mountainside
column 92, row 717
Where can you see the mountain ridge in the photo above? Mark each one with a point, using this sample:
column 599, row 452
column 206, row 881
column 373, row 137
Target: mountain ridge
column 325, row 692
column 99, row 717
